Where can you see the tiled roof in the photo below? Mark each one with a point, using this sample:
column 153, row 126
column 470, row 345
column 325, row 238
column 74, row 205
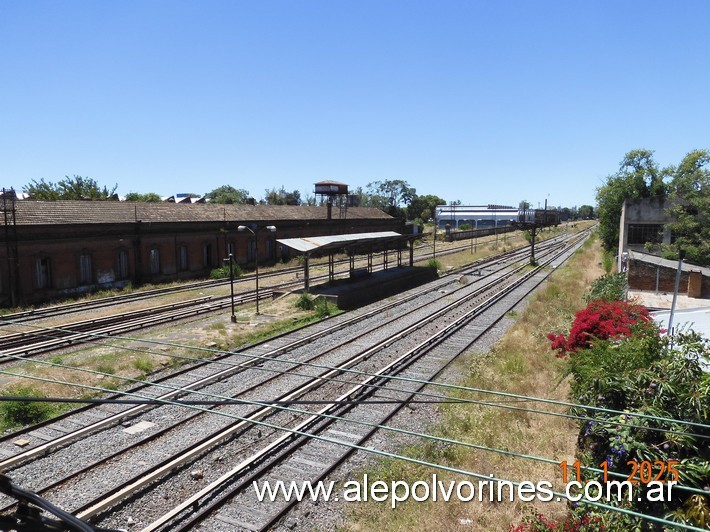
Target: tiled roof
column 111, row 212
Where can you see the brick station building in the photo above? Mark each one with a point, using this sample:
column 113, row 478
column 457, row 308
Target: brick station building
column 58, row 248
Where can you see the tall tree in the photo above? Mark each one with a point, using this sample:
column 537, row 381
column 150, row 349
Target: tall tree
column 638, row 177
column 69, row 188
column 227, row 194
column 424, row 206
column 282, row 197
column 394, row 192
column 586, row 211
column 148, row 197
column 690, row 198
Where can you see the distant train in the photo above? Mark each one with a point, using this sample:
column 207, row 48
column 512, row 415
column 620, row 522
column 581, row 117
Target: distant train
column 541, row 217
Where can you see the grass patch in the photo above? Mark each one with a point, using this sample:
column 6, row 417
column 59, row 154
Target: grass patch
column 520, row 363
column 143, row 364
column 219, row 326
column 19, row 413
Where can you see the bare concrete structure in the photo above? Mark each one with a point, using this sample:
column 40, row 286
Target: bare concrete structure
column 642, row 221
column 643, row 226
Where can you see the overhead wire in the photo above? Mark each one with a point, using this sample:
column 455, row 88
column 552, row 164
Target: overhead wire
column 508, row 395
column 220, row 400
column 480, row 476
column 518, row 398
column 335, row 379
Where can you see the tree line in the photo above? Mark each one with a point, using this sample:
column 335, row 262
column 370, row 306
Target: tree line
column 394, row 196
column 686, row 185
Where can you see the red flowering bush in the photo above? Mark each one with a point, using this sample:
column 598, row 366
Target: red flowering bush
column 601, row 320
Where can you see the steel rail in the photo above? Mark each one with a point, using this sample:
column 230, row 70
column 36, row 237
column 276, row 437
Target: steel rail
column 176, row 462
column 157, row 317
column 359, row 391
column 233, row 368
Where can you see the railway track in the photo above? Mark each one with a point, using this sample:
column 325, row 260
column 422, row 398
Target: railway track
column 44, row 340
column 316, row 331
column 247, row 420
column 308, row 334
column 25, row 316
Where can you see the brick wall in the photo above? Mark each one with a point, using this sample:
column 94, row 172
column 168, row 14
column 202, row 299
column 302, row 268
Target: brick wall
column 62, row 246
column 642, row 276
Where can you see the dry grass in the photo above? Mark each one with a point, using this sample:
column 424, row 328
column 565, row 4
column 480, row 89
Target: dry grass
column 489, row 245
column 124, row 360
column 521, row 363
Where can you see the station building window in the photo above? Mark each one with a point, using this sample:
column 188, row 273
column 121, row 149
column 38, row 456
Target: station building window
column 207, row 254
column 122, row 263
column 183, row 263
column 642, row 233
column 86, row 275
column 154, row 258
column 43, row 272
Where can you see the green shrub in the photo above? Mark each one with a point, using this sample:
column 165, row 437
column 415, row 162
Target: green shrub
column 465, row 227
column 433, row 263
column 16, row 413
column 223, row 272
column 305, row 302
column 608, row 260
column 324, row 308
column 643, row 375
column 144, row 365
column 609, row 287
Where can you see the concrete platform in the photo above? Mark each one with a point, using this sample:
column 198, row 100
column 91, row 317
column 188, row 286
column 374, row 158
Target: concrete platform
column 352, row 293
column 663, row 300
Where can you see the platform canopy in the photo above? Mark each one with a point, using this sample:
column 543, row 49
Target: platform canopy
column 331, row 243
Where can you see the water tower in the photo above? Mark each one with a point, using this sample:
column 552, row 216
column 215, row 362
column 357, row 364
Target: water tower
column 334, row 194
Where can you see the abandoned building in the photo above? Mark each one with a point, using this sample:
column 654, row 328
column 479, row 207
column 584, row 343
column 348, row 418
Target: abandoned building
column 642, row 228
column 58, row 248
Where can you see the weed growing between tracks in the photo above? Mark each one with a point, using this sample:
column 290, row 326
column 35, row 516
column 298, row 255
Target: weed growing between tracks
column 134, row 359
column 520, row 363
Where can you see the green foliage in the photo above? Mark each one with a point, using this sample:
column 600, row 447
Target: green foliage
column 15, row 413
column 638, row 177
column 305, row 302
column 144, row 365
column 586, row 211
column 148, row 197
column 608, row 260
column 465, row 227
column 690, row 197
column 324, row 308
column 227, row 194
column 69, row 188
column 433, row 263
column 424, row 206
column 223, row 272
column 392, row 192
column 610, row 287
column 282, row 197
column 643, row 375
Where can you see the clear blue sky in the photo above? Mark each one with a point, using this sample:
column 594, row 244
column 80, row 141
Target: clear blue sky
column 486, row 102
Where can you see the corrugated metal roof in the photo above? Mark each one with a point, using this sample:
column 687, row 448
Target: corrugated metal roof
column 323, row 243
column 665, row 263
